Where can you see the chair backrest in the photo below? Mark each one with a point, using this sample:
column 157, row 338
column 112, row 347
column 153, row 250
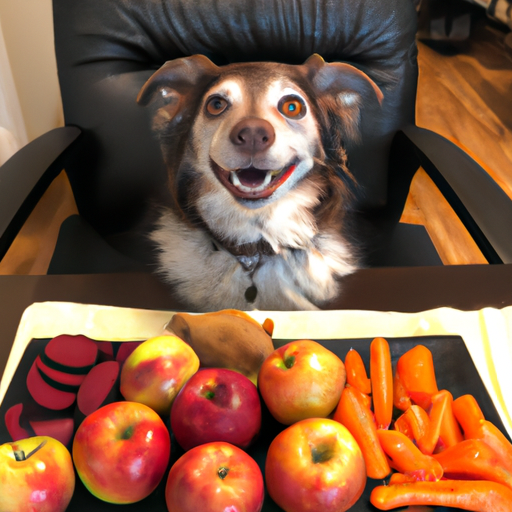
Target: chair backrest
column 106, row 49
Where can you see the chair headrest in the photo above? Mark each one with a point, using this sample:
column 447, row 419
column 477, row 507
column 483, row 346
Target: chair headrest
column 106, row 49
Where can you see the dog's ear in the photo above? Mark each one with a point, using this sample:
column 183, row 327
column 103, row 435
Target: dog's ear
column 349, row 85
column 177, row 83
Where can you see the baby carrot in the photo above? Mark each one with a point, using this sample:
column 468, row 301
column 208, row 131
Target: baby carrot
column 475, row 495
column 381, row 375
column 416, row 372
column 475, row 426
column 468, row 414
column 419, row 423
column 402, row 425
column 406, row 457
column 428, row 443
column 473, row 459
column 356, row 416
column 450, row 433
column 356, row 372
column 401, row 400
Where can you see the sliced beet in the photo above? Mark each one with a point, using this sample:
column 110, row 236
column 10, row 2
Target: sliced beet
column 106, row 351
column 100, row 387
column 45, row 394
column 59, row 428
column 12, row 422
column 70, row 354
column 57, row 377
column 125, row 349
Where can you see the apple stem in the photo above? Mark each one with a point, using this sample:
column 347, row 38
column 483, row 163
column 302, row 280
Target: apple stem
column 289, row 361
column 20, row 456
column 223, row 472
column 127, row 434
column 321, row 453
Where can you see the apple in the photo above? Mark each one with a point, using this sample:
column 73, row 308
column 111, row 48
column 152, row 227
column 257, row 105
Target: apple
column 216, row 404
column 156, row 370
column 213, row 477
column 315, row 464
column 121, row 452
column 36, row 475
column 300, row 380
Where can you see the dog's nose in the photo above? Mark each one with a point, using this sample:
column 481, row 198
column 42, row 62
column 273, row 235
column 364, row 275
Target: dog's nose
column 252, row 135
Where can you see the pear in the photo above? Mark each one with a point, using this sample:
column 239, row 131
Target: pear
column 226, row 339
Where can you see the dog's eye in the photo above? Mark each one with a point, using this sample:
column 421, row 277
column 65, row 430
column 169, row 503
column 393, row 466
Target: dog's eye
column 292, row 107
column 216, row 105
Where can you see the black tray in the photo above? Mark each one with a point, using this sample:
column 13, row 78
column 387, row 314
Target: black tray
column 455, row 372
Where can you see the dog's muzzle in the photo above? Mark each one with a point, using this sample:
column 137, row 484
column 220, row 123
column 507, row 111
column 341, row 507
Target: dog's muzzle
column 253, row 183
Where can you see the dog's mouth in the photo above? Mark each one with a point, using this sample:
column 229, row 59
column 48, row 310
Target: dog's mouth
column 253, row 183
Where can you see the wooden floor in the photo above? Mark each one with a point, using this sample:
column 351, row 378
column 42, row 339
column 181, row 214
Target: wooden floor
column 464, row 94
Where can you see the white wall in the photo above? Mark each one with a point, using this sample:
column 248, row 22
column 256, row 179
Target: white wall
column 27, row 27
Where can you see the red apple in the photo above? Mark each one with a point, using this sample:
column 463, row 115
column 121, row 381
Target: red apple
column 156, row 370
column 216, row 404
column 213, row 477
column 121, row 452
column 301, row 379
column 315, row 465
column 36, row 475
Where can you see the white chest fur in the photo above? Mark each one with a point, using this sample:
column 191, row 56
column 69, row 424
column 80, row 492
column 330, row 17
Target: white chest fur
column 302, row 274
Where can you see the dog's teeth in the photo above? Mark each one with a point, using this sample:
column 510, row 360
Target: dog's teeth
column 268, row 177
column 238, row 184
column 235, row 180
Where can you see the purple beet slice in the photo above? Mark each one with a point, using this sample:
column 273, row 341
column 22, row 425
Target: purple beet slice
column 56, row 377
column 12, row 423
column 70, row 354
column 100, row 387
column 59, row 428
column 105, row 351
column 125, row 349
column 46, row 395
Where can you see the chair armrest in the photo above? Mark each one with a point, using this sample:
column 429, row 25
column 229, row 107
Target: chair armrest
column 25, row 177
column 481, row 204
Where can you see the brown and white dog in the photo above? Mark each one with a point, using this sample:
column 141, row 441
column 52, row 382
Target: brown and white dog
column 259, row 180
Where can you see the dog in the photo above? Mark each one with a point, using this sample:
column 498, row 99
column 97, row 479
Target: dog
column 260, row 188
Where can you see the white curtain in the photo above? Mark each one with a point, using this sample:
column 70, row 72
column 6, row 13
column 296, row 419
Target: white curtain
column 13, row 134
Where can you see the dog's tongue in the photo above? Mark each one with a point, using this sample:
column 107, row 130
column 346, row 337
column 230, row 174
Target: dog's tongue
column 251, row 177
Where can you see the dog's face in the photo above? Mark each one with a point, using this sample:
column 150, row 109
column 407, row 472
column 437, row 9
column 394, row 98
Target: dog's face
column 255, row 129
column 259, row 137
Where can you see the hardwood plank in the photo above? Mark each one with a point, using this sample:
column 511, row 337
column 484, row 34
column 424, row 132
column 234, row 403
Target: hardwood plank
column 31, row 252
column 427, row 206
column 466, row 96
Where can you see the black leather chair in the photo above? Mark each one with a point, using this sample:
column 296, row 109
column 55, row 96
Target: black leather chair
column 106, row 50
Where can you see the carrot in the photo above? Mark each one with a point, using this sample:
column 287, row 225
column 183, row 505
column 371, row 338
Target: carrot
column 401, row 400
column 476, row 496
column 419, row 423
column 416, row 372
column 268, row 326
column 468, row 414
column 475, row 426
column 402, row 425
column 406, row 457
column 450, row 433
column 439, row 405
column 356, row 372
column 356, row 416
column 367, row 399
column 473, row 459
column 400, row 478
column 381, row 375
